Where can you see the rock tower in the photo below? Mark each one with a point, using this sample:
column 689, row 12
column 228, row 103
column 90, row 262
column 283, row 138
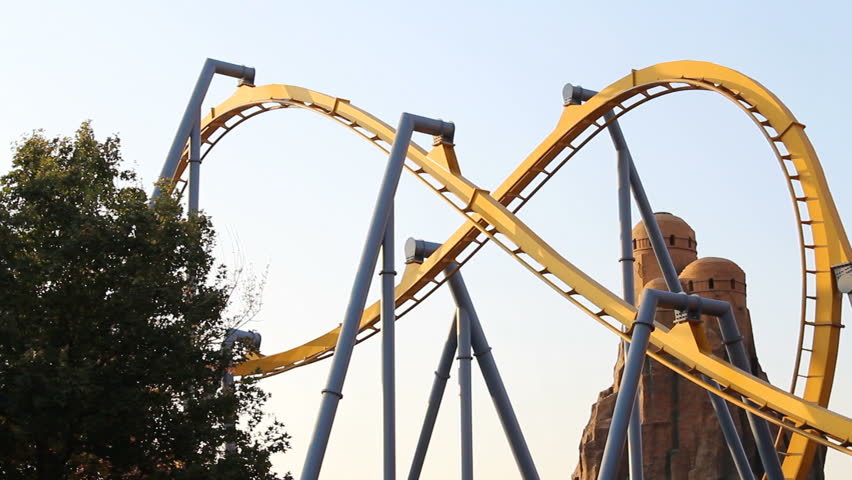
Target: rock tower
column 680, row 434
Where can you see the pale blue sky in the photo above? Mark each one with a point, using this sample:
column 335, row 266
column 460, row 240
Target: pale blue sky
column 293, row 191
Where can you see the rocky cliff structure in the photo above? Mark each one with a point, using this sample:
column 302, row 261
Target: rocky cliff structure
column 680, row 434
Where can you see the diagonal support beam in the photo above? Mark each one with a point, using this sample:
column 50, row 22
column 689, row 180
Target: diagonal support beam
column 417, row 251
column 442, row 374
column 333, row 392
column 624, row 403
column 625, row 223
column 465, row 357
column 736, row 352
column 575, row 95
column 388, row 316
column 189, row 125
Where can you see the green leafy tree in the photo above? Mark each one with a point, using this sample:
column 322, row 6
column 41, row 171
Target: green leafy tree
column 111, row 323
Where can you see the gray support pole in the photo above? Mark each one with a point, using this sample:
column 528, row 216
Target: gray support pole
column 500, row 397
column 736, row 351
column 332, row 393
column 575, row 95
column 442, row 374
column 759, row 427
column 418, row 250
column 634, row 429
column 194, row 165
column 642, row 328
column 655, row 235
column 230, row 420
column 388, row 316
column 658, row 243
column 625, row 222
column 729, row 431
column 210, row 68
column 496, row 388
column 228, row 378
column 465, row 393
column 661, row 251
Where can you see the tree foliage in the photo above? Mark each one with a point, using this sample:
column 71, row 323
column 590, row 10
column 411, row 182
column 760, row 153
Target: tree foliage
column 111, row 326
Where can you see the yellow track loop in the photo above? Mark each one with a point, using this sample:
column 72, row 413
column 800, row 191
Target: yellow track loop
column 822, row 238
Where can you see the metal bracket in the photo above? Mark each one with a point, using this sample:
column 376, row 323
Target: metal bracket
column 843, row 276
column 332, row 392
column 692, row 313
column 483, row 352
column 416, row 251
column 446, row 138
column 234, row 335
column 640, row 320
column 575, row 94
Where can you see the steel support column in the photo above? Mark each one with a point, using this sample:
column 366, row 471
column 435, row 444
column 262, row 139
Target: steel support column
column 642, row 328
column 661, row 251
column 194, row 165
column 465, row 393
column 388, row 317
column 332, row 393
column 190, row 115
column 738, row 357
column 232, row 337
column 760, row 428
column 576, row 95
column 625, row 224
column 442, row 374
column 494, row 383
column 418, row 250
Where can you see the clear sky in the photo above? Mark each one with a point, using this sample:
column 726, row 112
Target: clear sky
column 292, row 192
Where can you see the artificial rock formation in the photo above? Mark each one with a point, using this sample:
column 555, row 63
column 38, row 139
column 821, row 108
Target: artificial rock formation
column 680, row 434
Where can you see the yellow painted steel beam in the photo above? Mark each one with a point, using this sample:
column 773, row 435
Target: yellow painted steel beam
column 491, row 217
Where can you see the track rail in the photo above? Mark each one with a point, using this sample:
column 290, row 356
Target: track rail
column 822, row 239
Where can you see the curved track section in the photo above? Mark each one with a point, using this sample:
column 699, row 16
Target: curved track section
column 491, row 217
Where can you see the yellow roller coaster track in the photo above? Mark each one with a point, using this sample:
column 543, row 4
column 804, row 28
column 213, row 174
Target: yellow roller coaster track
column 490, row 216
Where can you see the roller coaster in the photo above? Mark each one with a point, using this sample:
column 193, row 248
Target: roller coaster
column 492, row 217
